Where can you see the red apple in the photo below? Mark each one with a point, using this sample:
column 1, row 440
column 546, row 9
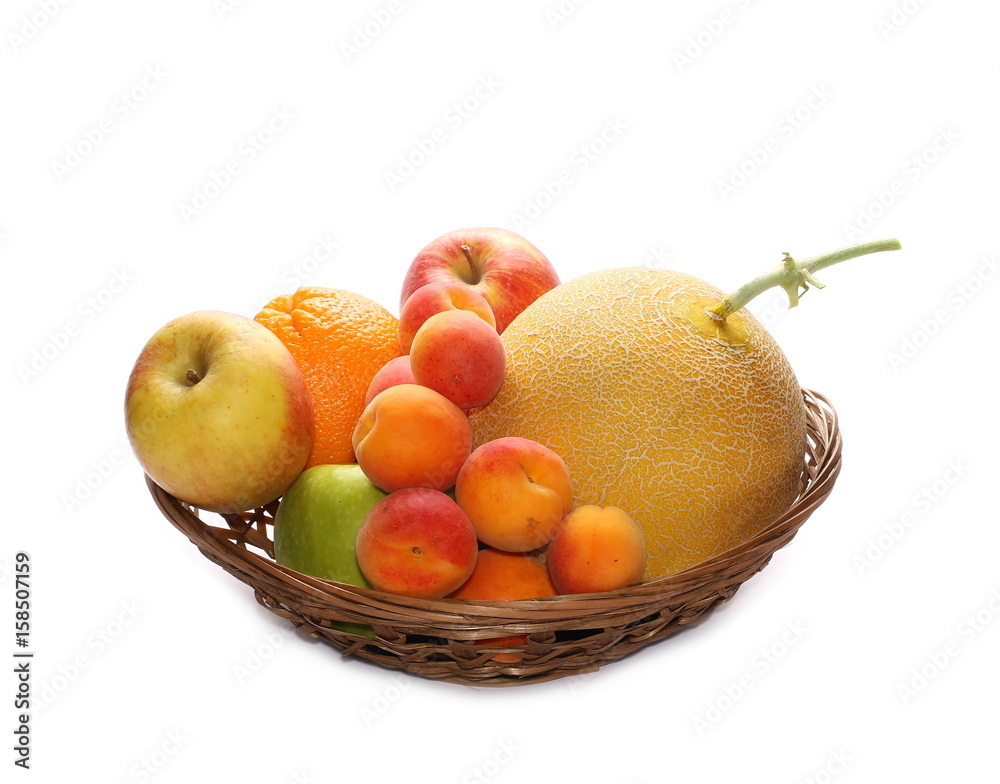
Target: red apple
column 502, row 266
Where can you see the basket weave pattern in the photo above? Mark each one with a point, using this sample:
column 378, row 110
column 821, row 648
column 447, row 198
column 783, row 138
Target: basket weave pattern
column 567, row 635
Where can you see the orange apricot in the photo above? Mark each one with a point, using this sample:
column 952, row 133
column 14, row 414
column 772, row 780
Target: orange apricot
column 506, row 576
column 410, row 436
column 516, row 492
column 596, row 549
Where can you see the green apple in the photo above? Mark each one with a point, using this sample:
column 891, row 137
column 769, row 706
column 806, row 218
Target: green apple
column 316, row 526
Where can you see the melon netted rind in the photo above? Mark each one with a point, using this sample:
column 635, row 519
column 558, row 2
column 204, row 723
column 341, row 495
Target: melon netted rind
column 696, row 431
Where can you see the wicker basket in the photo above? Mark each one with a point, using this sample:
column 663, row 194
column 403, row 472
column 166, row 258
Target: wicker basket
column 567, row 635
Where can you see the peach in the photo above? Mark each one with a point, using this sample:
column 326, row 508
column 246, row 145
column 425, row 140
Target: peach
column 395, row 371
column 516, row 492
column 501, row 575
column 417, row 542
column 410, row 436
column 596, row 549
column 435, row 298
column 459, row 355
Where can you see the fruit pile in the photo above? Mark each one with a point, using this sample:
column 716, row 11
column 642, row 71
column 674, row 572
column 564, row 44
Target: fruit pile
column 508, row 437
column 360, row 423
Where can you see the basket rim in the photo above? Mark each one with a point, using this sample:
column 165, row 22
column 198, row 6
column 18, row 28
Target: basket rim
column 822, row 466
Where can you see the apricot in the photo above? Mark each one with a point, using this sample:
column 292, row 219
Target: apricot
column 500, row 575
column 459, row 355
column 411, row 436
column 437, row 297
column 395, row 371
column 417, row 542
column 596, row 549
column 516, row 492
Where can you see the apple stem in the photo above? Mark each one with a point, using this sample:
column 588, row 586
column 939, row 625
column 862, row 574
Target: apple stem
column 192, row 376
column 791, row 275
column 472, row 263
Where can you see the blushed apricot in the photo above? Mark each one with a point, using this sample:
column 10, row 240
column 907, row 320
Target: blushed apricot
column 459, row 355
column 395, row 371
column 437, row 297
column 417, row 542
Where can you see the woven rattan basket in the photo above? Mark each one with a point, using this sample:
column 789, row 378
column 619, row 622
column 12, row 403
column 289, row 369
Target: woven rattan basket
column 567, row 635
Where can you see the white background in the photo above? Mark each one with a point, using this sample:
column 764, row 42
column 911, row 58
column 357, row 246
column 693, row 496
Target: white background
column 882, row 119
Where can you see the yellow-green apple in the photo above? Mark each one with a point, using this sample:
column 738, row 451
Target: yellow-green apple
column 502, row 266
column 218, row 413
column 515, row 492
column 459, row 355
column 435, row 298
column 417, row 542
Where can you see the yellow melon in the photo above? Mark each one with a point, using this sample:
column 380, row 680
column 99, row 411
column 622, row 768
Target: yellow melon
column 694, row 426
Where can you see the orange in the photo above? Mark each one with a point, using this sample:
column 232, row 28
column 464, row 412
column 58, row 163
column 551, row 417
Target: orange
column 695, row 428
column 340, row 340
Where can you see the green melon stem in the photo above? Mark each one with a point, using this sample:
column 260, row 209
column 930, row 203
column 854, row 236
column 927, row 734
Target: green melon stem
column 792, row 275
